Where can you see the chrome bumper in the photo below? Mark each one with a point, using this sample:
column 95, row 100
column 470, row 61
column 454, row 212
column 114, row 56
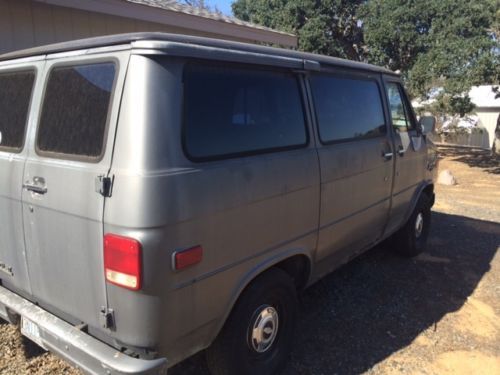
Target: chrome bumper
column 85, row 352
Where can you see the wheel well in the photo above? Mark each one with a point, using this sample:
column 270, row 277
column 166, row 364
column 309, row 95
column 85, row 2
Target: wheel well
column 429, row 191
column 298, row 268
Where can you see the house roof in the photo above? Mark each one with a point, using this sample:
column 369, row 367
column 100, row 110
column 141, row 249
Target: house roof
column 481, row 96
column 174, row 6
column 171, row 13
column 484, row 97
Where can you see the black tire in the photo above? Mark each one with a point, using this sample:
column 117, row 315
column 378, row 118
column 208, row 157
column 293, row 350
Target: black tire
column 409, row 241
column 233, row 351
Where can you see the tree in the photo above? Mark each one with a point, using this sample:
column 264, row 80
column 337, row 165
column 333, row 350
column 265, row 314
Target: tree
column 451, row 44
column 438, row 43
column 329, row 27
column 495, row 149
column 496, row 141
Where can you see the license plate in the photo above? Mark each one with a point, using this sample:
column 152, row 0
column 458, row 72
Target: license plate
column 31, row 331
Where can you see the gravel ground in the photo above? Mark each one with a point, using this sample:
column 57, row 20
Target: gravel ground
column 381, row 314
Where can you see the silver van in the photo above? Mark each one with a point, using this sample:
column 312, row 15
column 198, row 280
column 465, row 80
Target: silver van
column 164, row 194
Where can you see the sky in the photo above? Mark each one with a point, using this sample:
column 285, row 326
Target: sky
column 223, row 5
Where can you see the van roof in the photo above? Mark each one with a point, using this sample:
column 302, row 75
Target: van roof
column 129, row 38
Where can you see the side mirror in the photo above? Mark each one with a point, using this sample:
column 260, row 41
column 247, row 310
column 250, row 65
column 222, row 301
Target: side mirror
column 427, row 124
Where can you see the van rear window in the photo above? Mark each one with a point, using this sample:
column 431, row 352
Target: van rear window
column 347, row 108
column 15, row 97
column 75, row 110
column 232, row 111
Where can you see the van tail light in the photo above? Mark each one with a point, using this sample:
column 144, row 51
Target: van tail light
column 122, row 261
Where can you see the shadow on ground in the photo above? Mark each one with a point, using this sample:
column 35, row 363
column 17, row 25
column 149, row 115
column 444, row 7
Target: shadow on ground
column 473, row 158
column 379, row 303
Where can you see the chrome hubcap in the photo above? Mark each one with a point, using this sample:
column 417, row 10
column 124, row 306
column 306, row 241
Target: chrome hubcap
column 264, row 329
column 419, row 225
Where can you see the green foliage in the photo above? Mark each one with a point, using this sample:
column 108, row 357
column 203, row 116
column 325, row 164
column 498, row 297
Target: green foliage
column 447, row 43
column 461, row 105
column 452, row 44
column 496, row 91
column 447, row 104
column 328, row 27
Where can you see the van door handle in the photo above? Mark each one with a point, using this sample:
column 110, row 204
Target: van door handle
column 36, row 186
column 387, row 155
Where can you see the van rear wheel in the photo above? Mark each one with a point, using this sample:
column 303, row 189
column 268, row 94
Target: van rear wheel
column 411, row 239
column 257, row 337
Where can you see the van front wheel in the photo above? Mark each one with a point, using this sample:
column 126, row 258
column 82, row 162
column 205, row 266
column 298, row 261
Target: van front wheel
column 258, row 334
column 411, row 239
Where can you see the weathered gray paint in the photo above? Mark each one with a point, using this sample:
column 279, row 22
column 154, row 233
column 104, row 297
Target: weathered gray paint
column 11, row 172
column 207, row 48
column 90, row 355
column 73, row 205
column 325, row 203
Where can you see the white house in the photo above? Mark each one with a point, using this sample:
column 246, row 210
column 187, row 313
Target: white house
column 487, row 109
column 485, row 114
column 29, row 23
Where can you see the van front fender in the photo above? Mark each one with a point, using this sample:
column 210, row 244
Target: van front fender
column 425, row 187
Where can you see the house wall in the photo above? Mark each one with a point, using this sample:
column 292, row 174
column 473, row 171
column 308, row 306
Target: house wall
column 25, row 24
column 488, row 120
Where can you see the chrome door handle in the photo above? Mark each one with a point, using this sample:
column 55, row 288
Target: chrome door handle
column 37, row 186
column 387, row 155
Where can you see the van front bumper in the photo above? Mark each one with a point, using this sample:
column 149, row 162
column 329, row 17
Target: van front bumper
column 80, row 349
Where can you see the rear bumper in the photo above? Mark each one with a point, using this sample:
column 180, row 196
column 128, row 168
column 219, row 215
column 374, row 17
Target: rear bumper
column 84, row 351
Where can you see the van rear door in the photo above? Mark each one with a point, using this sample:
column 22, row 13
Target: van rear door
column 17, row 83
column 70, row 151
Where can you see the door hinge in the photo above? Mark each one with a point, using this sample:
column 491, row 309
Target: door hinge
column 107, row 318
column 104, row 185
column 6, row 269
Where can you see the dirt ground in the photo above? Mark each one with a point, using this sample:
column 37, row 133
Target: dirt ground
column 382, row 314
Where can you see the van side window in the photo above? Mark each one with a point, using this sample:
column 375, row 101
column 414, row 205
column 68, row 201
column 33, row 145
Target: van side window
column 15, row 97
column 232, row 111
column 400, row 113
column 347, row 108
column 75, row 110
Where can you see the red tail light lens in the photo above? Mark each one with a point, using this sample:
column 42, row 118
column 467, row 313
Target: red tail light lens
column 187, row 258
column 122, row 261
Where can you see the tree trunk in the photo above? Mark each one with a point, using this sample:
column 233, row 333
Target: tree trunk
column 496, row 141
